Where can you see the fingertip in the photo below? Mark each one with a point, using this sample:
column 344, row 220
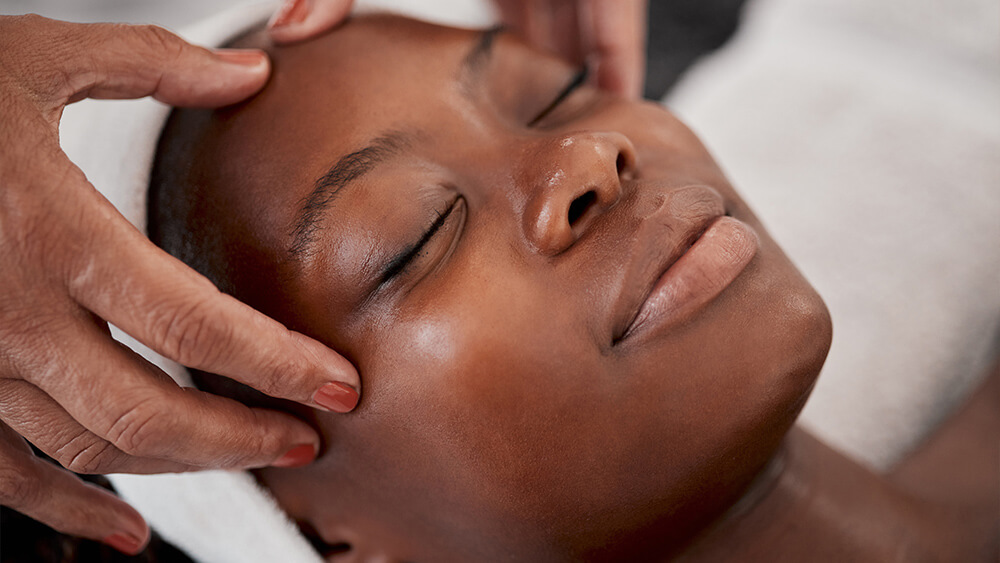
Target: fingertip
column 232, row 75
column 251, row 60
column 248, row 70
column 290, row 12
column 341, row 391
column 298, row 20
column 331, row 365
column 297, row 456
column 130, row 533
column 125, row 543
column 337, row 397
column 613, row 77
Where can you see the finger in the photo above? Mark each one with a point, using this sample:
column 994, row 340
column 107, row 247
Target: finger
column 533, row 20
column 114, row 393
column 615, row 40
column 129, row 61
column 514, row 14
column 64, row 502
column 297, row 20
column 34, row 415
column 161, row 302
column 565, row 32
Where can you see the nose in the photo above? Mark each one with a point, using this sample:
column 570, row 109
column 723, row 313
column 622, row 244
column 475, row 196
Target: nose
column 571, row 180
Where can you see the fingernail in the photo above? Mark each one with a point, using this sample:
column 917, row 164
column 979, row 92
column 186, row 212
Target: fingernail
column 242, row 57
column 124, row 543
column 337, row 397
column 297, row 456
column 292, row 11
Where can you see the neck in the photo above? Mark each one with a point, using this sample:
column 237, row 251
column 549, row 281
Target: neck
column 813, row 503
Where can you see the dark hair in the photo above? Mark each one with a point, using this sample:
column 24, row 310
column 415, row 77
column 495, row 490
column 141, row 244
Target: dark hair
column 175, row 193
column 186, row 219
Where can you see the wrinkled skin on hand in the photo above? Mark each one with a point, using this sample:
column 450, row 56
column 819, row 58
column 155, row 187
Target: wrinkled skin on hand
column 70, row 264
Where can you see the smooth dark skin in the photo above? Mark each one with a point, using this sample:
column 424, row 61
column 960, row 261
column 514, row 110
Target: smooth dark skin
column 501, row 419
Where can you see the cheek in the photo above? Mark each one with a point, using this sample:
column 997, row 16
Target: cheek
column 505, row 391
column 485, row 363
column 499, row 388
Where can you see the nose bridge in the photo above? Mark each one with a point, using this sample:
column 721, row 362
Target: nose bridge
column 568, row 181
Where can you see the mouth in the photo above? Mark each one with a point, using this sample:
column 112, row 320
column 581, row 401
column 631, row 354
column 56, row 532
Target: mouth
column 715, row 251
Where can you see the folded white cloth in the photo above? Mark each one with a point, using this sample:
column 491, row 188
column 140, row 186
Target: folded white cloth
column 866, row 135
column 214, row 516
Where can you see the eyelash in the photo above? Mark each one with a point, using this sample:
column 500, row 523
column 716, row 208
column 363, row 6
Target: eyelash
column 401, row 262
column 578, row 80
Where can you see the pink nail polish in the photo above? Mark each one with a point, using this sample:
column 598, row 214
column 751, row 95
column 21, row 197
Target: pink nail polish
column 124, row 543
column 297, row 456
column 337, row 397
column 291, row 12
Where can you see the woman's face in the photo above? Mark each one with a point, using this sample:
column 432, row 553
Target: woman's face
column 550, row 367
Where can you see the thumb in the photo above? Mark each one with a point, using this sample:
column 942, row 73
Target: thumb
column 129, row 61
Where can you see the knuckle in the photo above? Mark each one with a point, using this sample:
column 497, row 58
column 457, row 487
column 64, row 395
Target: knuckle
column 159, row 40
column 265, row 438
column 30, row 335
column 85, row 453
column 256, row 441
column 141, row 430
column 189, row 336
column 277, row 375
column 20, row 487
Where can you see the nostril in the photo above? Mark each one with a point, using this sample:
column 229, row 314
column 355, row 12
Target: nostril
column 336, row 549
column 580, row 205
column 322, row 547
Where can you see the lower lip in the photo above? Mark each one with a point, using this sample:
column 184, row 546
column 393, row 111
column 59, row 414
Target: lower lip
column 714, row 261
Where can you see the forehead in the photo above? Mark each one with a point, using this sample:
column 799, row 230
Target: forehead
column 326, row 98
column 366, row 76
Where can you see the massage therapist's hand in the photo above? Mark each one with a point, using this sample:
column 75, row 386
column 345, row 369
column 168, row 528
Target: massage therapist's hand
column 70, row 264
column 610, row 35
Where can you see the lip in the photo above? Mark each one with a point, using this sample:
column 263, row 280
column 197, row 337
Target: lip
column 702, row 265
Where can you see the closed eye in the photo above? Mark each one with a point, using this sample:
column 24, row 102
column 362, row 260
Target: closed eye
column 578, row 80
column 399, row 263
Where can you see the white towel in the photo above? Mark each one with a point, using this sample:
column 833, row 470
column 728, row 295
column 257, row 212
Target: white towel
column 866, row 135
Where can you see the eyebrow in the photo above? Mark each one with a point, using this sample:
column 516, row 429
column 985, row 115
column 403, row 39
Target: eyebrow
column 348, row 169
column 352, row 167
column 478, row 58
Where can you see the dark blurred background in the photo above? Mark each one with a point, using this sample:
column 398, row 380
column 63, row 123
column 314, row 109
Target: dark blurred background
column 681, row 31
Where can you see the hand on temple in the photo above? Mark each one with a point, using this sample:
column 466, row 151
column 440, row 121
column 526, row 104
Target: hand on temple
column 609, row 35
column 70, row 264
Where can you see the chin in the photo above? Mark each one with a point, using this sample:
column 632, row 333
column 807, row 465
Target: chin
column 791, row 330
column 804, row 337
column 808, row 332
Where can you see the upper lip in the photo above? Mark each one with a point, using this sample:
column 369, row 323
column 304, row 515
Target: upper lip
column 682, row 216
